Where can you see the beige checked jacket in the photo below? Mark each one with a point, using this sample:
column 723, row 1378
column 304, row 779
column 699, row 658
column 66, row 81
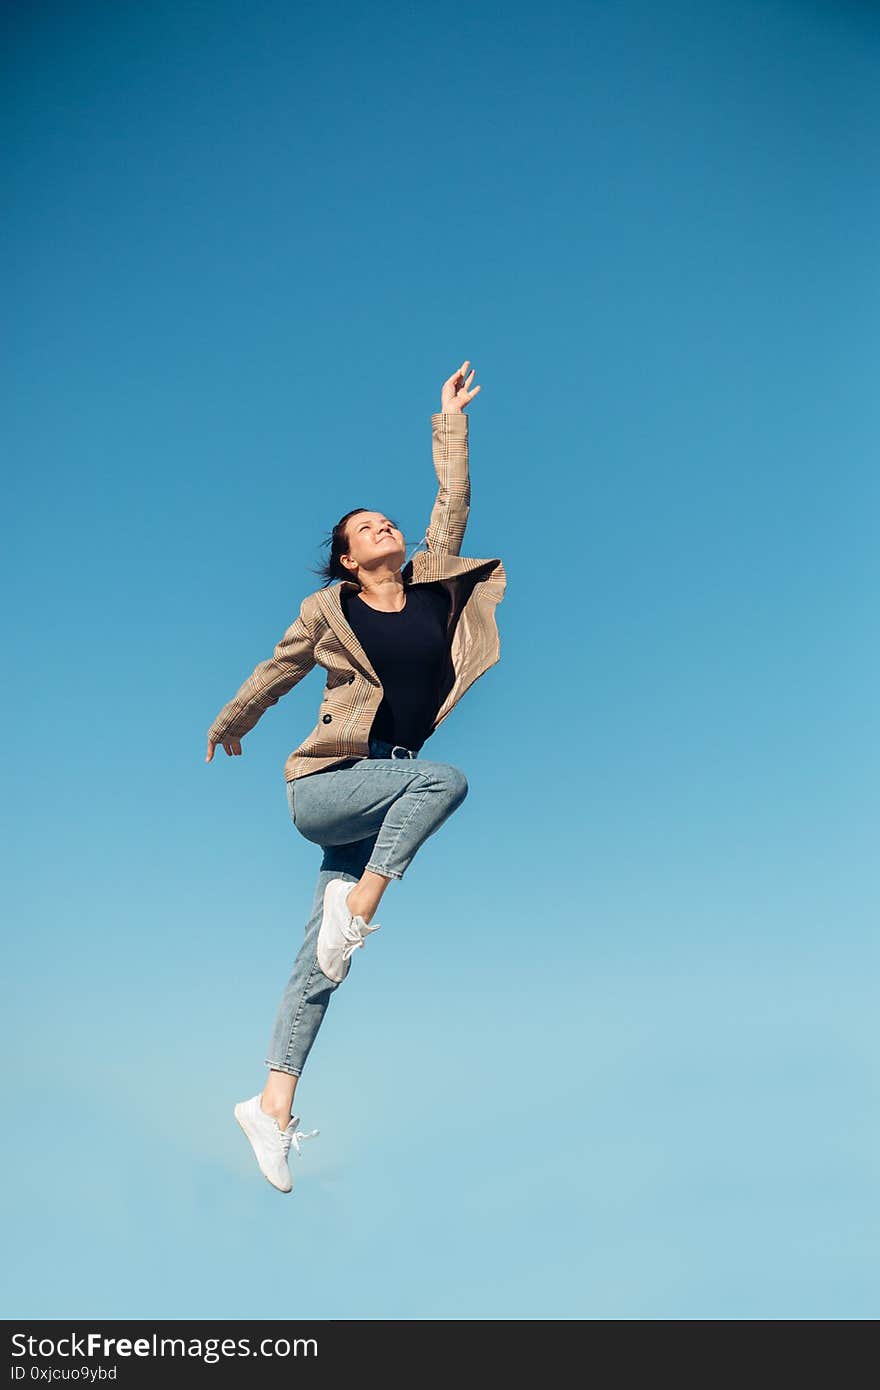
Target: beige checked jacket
column 321, row 636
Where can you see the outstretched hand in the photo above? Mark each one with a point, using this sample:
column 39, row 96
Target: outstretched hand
column 455, row 393
column 232, row 746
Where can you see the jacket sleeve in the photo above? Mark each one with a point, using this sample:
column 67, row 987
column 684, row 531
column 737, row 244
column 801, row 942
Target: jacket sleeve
column 293, row 658
column 449, row 516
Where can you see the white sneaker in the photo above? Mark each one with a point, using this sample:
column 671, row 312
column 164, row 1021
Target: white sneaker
column 269, row 1141
column 340, row 933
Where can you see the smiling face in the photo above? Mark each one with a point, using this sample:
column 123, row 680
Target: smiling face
column 374, row 542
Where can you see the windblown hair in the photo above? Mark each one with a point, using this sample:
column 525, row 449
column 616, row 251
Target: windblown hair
column 332, row 568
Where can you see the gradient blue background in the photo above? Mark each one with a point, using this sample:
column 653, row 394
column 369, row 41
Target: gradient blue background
column 611, row 1056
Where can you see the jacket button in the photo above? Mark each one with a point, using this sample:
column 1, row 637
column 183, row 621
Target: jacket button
column 327, row 718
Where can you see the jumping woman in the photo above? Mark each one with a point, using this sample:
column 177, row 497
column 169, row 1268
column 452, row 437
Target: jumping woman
column 400, row 643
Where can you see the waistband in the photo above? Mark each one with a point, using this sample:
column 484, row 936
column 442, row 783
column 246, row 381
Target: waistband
column 381, row 748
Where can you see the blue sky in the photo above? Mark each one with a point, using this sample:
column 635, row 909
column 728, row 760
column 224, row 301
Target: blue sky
column 610, row 1056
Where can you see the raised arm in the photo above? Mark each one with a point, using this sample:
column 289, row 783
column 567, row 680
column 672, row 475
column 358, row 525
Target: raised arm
column 449, row 441
column 292, row 659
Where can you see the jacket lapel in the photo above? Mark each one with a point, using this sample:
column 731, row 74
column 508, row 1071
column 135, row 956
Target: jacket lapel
column 329, row 601
column 477, row 587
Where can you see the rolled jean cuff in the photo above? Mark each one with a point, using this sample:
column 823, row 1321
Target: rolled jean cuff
column 279, row 1066
column 386, row 873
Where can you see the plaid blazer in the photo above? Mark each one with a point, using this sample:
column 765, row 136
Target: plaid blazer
column 321, row 636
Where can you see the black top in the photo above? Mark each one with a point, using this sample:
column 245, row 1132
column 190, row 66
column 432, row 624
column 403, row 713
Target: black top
column 409, row 652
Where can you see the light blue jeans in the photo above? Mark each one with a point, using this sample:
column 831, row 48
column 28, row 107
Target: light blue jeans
column 370, row 813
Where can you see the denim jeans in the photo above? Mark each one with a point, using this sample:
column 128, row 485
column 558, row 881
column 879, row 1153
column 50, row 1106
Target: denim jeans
column 367, row 813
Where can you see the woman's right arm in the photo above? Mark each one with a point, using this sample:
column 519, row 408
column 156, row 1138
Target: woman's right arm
column 293, row 658
column 449, row 433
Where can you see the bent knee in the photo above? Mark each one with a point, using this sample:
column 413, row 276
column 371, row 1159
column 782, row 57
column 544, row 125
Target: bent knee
column 457, row 784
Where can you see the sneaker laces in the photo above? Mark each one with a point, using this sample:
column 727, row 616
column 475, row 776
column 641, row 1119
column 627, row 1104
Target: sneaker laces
column 355, row 935
column 291, row 1135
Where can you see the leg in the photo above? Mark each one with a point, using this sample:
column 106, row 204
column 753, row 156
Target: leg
column 395, row 804
column 307, row 993
column 400, row 801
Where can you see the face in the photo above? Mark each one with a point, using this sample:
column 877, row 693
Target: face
column 374, row 542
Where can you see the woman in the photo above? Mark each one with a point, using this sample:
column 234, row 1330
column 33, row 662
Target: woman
column 401, row 643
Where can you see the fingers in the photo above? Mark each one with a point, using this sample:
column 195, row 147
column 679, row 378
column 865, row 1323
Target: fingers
column 231, row 747
column 457, row 376
column 465, row 383
column 456, row 392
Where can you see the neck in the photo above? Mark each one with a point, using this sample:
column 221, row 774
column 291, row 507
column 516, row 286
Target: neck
column 384, row 588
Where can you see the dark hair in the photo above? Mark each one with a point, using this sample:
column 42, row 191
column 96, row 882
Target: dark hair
column 333, row 568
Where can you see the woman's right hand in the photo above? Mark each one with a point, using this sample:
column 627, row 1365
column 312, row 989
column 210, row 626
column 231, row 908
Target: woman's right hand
column 455, row 393
column 232, row 746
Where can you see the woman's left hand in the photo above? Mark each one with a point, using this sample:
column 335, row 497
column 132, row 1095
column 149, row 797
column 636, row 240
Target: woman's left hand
column 455, row 393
